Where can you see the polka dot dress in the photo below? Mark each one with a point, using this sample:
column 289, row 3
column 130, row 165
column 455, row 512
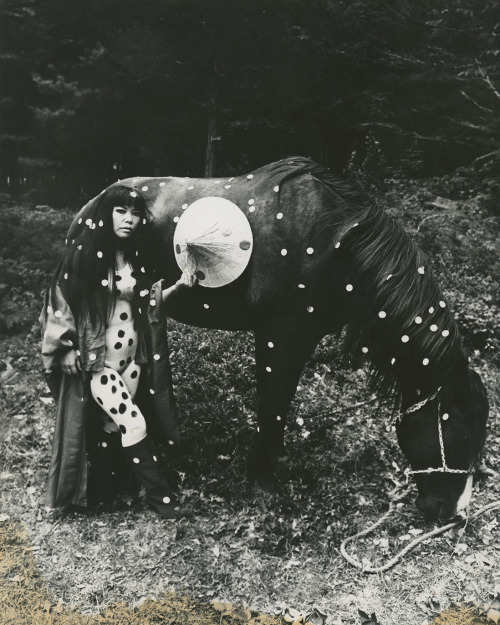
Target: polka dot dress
column 114, row 387
column 121, row 337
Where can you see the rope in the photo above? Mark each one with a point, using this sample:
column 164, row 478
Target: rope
column 435, row 532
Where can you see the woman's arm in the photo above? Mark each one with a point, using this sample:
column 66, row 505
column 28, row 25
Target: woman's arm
column 59, row 335
column 184, row 282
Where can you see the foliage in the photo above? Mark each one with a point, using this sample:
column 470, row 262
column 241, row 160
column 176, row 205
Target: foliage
column 108, row 92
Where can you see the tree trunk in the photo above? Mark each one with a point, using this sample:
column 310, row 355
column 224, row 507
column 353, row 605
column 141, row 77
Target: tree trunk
column 210, row 159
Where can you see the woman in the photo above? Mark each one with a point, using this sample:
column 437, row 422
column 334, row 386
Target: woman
column 105, row 351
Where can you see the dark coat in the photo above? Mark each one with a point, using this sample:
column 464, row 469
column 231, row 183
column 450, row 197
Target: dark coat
column 78, row 416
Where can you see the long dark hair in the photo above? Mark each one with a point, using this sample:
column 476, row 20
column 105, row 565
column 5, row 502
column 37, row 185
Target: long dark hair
column 87, row 272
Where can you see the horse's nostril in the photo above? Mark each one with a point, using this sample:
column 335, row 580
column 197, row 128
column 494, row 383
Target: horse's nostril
column 430, row 507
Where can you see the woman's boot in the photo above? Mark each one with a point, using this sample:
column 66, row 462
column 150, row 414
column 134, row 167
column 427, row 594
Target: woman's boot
column 145, row 468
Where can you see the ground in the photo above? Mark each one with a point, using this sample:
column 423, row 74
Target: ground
column 237, row 554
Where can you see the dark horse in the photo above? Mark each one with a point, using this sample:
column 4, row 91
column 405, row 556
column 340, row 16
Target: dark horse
column 324, row 258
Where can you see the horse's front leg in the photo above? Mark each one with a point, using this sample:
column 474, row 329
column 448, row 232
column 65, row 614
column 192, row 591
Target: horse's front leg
column 282, row 346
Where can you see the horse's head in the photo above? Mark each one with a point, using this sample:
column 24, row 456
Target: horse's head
column 441, row 437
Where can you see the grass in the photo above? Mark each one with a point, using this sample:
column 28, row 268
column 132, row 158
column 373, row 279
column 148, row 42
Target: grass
column 271, row 552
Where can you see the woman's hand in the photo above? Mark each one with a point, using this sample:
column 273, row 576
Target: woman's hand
column 70, row 363
column 186, row 281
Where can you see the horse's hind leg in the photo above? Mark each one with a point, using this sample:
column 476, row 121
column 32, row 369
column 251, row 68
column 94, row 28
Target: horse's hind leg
column 281, row 348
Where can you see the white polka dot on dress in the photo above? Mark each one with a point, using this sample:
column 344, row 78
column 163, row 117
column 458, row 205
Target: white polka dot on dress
column 349, row 287
column 250, row 176
column 310, row 250
column 433, row 327
column 425, row 362
column 279, row 216
column 270, row 344
column 136, row 460
column 92, row 357
column 382, row 314
column 276, row 189
column 156, row 356
column 284, row 252
column 405, row 338
column 166, row 499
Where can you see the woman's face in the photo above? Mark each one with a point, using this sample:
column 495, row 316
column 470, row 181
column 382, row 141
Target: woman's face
column 125, row 221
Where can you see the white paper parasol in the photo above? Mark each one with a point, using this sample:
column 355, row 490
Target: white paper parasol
column 213, row 240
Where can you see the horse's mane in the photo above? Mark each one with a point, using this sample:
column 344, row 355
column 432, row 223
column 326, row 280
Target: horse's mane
column 385, row 267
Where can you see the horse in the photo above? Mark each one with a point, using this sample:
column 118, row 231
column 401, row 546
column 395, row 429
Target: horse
column 324, row 258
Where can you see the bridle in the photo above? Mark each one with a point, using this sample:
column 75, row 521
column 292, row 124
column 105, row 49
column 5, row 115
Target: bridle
column 444, row 468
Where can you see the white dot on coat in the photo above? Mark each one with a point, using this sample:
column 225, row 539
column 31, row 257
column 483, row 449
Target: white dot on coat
column 302, row 286
column 364, row 350
column 166, row 499
column 405, row 338
column 349, row 287
column 442, row 304
column 276, row 189
column 279, row 216
column 418, row 320
column 206, row 306
column 250, row 176
column 152, row 302
column 278, row 418
column 156, row 356
column 270, row 344
column 310, row 250
column 310, row 309
column 104, row 282
column 104, row 444
column 431, row 309
column 421, row 270
column 92, row 357
column 284, row 252
column 99, row 254
column 268, row 369
column 445, row 416
column 425, row 362
column 170, row 442
column 382, row 314
column 136, row 460
column 152, row 391
column 433, row 327
column 445, row 333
